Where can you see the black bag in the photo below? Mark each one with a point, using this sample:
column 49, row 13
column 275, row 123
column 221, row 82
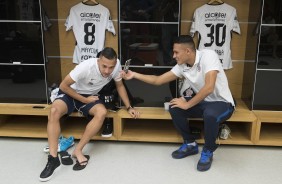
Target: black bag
column 109, row 95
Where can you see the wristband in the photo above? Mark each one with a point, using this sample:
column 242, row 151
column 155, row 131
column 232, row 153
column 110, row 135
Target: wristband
column 130, row 107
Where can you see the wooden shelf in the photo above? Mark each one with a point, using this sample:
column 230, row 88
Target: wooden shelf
column 269, row 116
column 23, row 126
column 241, row 133
column 75, row 126
column 34, row 110
column 24, row 109
column 147, row 113
column 270, row 134
column 269, row 129
column 149, row 130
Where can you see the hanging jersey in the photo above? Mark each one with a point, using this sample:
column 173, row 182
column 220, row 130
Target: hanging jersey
column 89, row 24
column 214, row 24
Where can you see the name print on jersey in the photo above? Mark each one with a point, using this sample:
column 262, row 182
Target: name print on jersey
column 89, row 24
column 214, row 24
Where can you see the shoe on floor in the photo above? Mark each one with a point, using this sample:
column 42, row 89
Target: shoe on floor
column 66, row 158
column 185, row 150
column 66, row 143
column 205, row 161
column 81, row 165
column 107, row 128
column 51, row 167
column 63, row 145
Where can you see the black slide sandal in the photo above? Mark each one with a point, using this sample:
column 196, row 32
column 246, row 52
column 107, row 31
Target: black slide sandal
column 80, row 165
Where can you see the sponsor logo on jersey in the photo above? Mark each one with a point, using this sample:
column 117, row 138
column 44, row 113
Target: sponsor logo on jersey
column 215, row 15
column 91, row 15
column 219, row 52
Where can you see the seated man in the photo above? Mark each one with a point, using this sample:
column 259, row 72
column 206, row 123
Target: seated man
column 77, row 92
column 212, row 101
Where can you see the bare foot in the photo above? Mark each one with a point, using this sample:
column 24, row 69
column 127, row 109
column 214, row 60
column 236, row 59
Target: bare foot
column 79, row 156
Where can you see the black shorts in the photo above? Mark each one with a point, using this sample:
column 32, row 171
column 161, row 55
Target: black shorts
column 77, row 106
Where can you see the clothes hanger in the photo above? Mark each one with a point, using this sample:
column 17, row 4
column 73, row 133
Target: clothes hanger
column 93, row 1
column 215, row 1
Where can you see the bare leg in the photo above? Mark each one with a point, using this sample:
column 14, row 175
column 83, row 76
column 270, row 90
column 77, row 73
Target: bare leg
column 99, row 111
column 58, row 109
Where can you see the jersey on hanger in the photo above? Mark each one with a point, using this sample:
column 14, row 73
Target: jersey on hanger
column 89, row 24
column 214, row 24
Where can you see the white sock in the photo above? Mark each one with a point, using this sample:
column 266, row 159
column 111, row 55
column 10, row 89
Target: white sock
column 192, row 143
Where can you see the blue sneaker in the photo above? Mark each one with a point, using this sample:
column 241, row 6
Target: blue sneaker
column 185, row 150
column 63, row 145
column 205, row 161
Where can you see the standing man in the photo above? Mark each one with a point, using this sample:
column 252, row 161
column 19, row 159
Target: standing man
column 213, row 100
column 77, row 92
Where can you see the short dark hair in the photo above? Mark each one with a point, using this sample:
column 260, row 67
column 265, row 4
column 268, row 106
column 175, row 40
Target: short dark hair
column 99, row 53
column 185, row 39
column 108, row 53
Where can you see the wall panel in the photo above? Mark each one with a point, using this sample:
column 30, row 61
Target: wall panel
column 66, row 66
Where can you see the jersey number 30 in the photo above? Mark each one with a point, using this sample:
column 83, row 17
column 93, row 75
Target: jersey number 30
column 215, row 31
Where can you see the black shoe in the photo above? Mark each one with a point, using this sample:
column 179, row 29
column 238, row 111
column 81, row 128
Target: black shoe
column 66, row 158
column 52, row 166
column 107, row 128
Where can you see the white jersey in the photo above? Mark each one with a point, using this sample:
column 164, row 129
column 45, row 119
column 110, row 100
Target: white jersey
column 89, row 24
column 214, row 24
column 88, row 78
column 206, row 60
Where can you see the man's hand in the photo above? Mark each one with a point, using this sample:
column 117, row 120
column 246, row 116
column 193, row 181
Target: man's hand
column 127, row 76
column 134, row 113
column 90, row 99
column 180, row 103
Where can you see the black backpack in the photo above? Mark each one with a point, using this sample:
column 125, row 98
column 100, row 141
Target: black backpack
column 109, row 95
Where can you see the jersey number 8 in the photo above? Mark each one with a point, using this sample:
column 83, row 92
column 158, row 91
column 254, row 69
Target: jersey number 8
column 89, row 29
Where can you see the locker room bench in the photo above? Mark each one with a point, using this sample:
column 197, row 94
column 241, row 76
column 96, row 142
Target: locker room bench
column 155, row 125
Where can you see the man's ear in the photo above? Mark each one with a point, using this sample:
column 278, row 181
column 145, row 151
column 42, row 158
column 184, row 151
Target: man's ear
column 188, row 50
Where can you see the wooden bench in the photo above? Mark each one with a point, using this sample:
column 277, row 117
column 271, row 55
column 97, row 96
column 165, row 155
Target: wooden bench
column 30, row 120
column 155, row 125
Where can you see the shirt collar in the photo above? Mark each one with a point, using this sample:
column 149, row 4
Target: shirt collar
column 197, row 58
